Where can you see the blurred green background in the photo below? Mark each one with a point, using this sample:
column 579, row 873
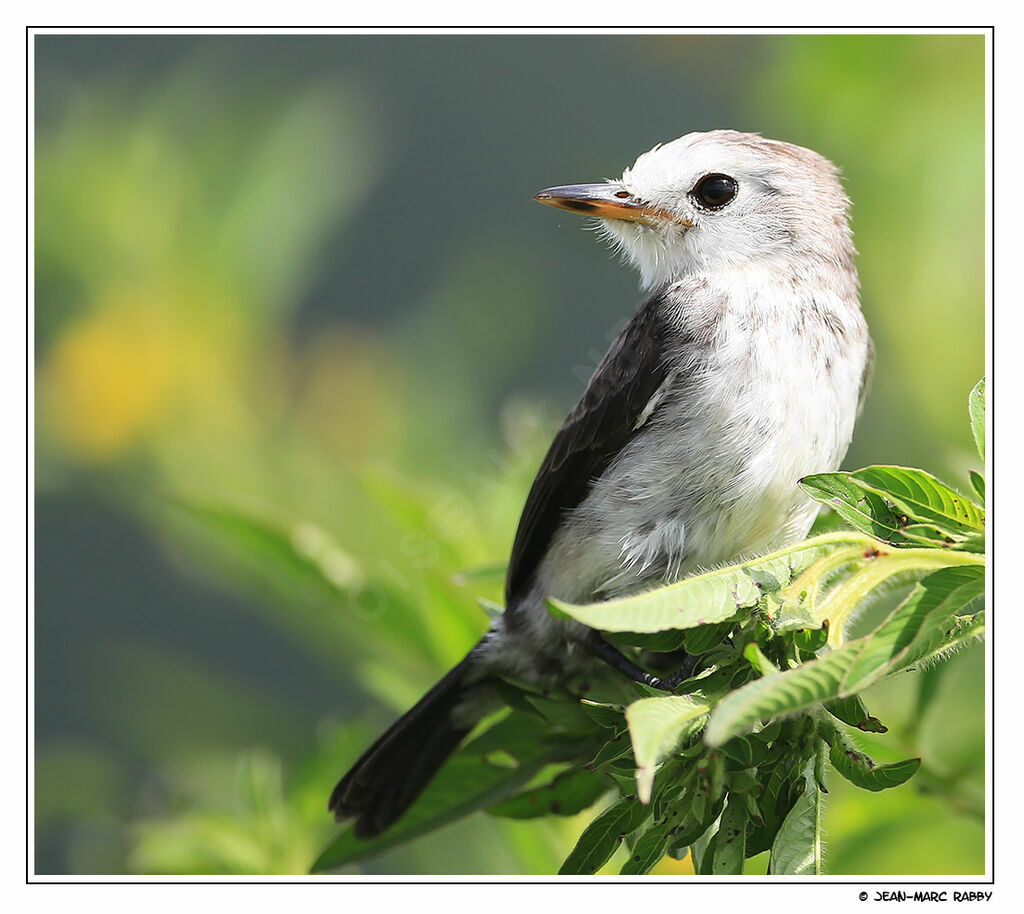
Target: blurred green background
column 301, row 339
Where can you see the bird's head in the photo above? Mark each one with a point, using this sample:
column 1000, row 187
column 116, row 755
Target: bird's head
column 716, row 200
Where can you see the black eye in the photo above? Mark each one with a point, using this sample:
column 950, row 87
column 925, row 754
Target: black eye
column 714, row 191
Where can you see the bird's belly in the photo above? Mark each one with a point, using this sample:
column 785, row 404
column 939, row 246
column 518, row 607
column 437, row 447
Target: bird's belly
column 712, row 480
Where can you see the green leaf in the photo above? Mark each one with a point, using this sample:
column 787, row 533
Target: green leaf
column 863, row 509
column 851, row 710
column 731, row 839
column 605, row 715
column 491, row 572
column 796, row 850
column 299, row 555
column 976, row 407
column 491, row 609
column 746, row 751
column 978, row 484
column 973, row 542
column 898, row 505
column 930, row 626
column 567, row 794
column 900, row 566
column 954, row 635
column 859, row 770
column 616, row 747
column 928, row 682
column 935, row 600
column 602, row 836
column 757, row 660
column 656, row 727
column 775, row 801
column 811, row 640
column 703, row 849
column 660, row 642
column 805, row 686
column 923, row 497
column 704, row 599
column 799, row 600
column 705, row 638
column 651, row 846
column 564, row 711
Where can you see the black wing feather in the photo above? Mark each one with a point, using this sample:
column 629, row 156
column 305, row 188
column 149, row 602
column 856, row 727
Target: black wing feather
column 598, row 428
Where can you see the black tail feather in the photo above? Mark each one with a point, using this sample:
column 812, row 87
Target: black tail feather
column 393, row 772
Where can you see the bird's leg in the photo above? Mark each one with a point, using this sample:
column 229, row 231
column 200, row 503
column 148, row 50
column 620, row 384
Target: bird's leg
column 685, row 670
column 609, row 654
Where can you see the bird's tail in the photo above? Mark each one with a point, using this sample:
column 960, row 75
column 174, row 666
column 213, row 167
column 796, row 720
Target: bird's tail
column 395, row 769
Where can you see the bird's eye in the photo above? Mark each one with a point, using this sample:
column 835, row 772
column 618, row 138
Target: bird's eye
column 714, row 191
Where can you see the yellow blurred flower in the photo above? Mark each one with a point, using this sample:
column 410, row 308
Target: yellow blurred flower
column 107, row 380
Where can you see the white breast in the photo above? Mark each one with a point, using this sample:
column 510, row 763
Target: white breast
column 763, row 393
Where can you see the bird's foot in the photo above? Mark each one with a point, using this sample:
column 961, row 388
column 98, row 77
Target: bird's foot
column 671, row 683
column 618, row 661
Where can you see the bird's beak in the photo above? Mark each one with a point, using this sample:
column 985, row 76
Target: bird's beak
column 605, row 201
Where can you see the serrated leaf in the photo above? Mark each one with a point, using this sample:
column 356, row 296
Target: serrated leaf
column 923, row 497
column 805, row 686
column 565, row 795
column 656, row 727
column 689, row 832
column 769, row 732
column 958, row 632
column 899, row 505
column 825, row 679
column 796, row 850
column 513, row 696
column 976, row 407
column 901, row 565
column 863, row 509
column 744, row 781
column 860, row 771
column 941, row 595
column 602, row 836
column 703, row 599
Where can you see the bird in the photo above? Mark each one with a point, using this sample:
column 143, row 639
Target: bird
column 743, row 370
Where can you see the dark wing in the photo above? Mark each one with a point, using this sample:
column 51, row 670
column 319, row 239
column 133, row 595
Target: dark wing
column 598, row 428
